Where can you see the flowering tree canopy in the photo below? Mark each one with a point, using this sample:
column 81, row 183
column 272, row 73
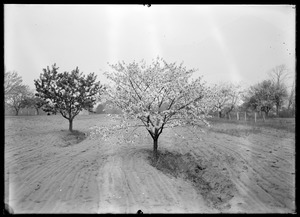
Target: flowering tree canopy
column 158, row 95
column 227, row 96
column 67, row 93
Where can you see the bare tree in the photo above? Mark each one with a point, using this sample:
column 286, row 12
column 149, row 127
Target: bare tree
column 278, row 75
column 11, row 81
column 17, row 98
column 291, row 99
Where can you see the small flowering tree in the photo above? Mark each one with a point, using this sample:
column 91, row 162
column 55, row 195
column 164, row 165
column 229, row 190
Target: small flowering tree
column 227, row 96
column 67, row 93
column 222, row 92
column 158, row 95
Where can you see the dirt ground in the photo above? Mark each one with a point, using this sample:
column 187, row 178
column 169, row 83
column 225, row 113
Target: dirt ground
column 47, row 170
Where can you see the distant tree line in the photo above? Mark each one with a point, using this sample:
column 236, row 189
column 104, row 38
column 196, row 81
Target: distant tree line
column 66, row 93
column 69, row 93
column 270, row 95
column 158, row 95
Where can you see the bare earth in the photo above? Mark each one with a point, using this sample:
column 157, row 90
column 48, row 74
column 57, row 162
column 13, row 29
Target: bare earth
column 46, row 174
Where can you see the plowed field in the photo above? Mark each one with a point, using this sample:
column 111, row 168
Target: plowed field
column 47, row 170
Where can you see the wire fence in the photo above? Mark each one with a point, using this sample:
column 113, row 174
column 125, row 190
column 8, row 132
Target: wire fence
column 246, row 116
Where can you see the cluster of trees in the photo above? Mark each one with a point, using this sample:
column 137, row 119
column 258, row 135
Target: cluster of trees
column 65, row 93
column 157, row 96
column 227, row 98
column 106, row 108
column 17, row 95
column 271, row 94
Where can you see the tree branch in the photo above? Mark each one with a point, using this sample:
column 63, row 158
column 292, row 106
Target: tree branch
column 63, row 114
column 200, row 97
column 135, row 89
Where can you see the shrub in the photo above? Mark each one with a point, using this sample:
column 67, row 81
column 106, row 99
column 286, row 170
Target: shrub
column 285, row 113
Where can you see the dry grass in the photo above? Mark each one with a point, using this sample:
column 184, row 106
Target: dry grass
column 74, row 137
column 287, row 124
column 211, row 181
column 238, row 132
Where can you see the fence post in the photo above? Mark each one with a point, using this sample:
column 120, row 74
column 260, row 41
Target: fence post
column 255, row 117
column 237, row 115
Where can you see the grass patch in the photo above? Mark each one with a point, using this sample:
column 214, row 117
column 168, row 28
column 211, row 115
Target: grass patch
column 74, row 137
column 210, row 178
column 287, row 124
column 238, row 132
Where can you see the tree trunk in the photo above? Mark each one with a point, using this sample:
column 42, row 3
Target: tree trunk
column 220, row 114
column 17, row 110
column 155, row 154
column 267, row 112
column 277, row 110
column 71, row 124
column 37, row 111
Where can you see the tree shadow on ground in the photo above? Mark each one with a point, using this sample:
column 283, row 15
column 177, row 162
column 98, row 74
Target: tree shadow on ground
column 72, row 138
column 210, row 178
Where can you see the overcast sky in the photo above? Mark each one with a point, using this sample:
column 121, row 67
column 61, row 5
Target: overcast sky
column 225, row 43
